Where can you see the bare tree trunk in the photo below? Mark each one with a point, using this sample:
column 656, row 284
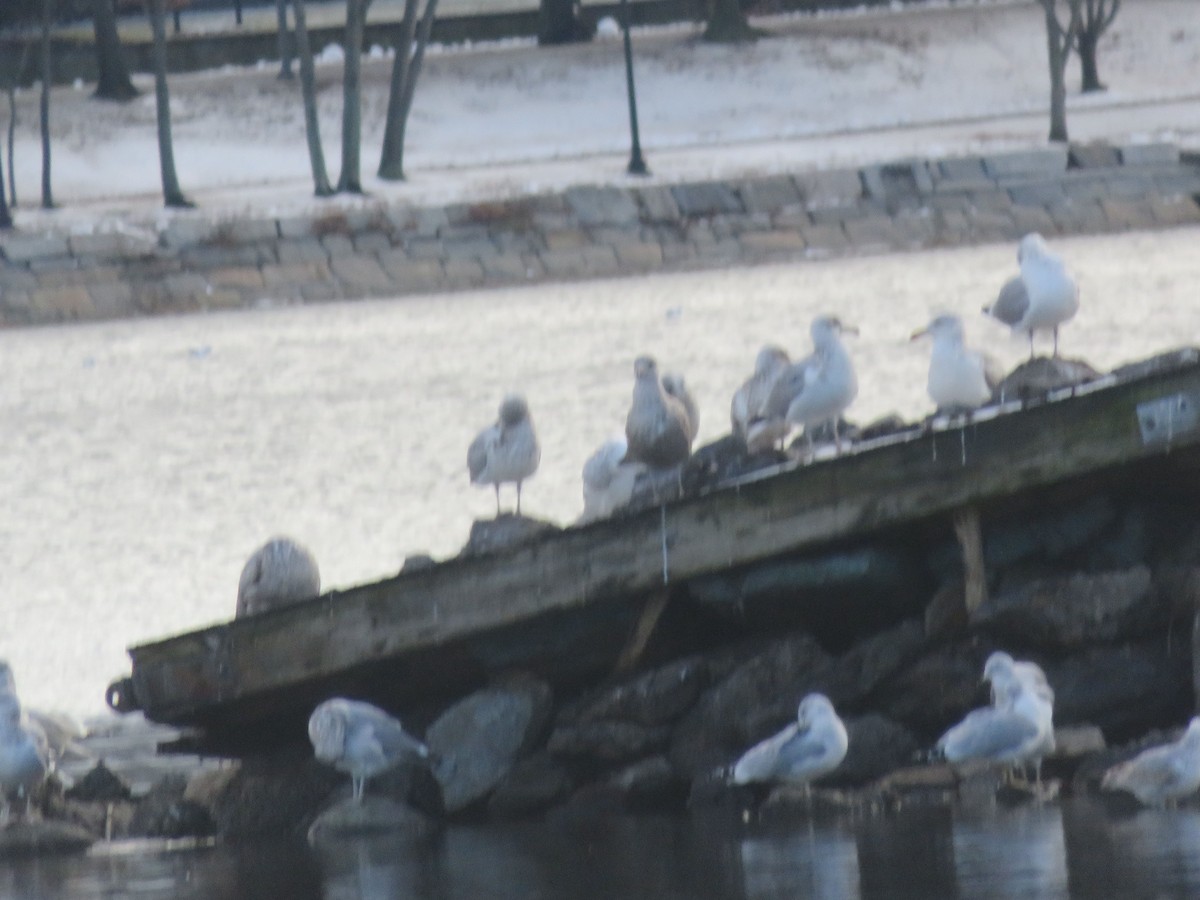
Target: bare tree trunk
column 5, row 216
column 1097, row 16
column 350, row 180
column 284, row 45
column 727, row 23
column 1058, row 42
column 308, row 90
column 12, row 139
column 44, row 104
column 113, row 82
column 172, row 194
column 406, row 69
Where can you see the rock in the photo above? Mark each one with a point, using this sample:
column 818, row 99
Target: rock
column 507, row 530
column 166, row 813
column 99, row 785
column 477, row 741
column 42, row 838
column 874, row 660
column 653, row 698
column 946, row 614
column 840, row 596
column 608, row 742
column 936, row 691
column 758, row 697
column 884, row 426
column 207, row 785
column 724, row 460
column 276, row 794
column 649, row 783
column 1075, row 741
column 416, row 562
column 533, row 784
column 1073, row 610
column 1124, row 690
column 877, row 746
column 1034, row 379
column 349, row 819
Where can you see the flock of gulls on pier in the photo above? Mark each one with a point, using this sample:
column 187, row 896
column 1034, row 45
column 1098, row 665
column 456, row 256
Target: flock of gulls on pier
column 1014, row 731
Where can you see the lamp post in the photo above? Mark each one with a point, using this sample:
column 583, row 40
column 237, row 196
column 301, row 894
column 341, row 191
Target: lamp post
column 637, row 165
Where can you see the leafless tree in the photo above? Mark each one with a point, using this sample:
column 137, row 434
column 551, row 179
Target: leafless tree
column 350, row 180
column 308, row 90
column 406, row 69
column 282, row 42
column 172, row 194
column 1059, row 38
column 113, row 81
column 44, row 103
column 1095, row 18
column 5, row 216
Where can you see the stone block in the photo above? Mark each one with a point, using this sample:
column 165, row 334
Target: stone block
column 1032, row 218
column 772, row 243
column 769, row 195
column 1078, row 216
column 301, row 250
column 706, row 199
column 835, row 215
column 16, row 278
column 640, row 256
column 1036, row 193
column 371, row 242
column 566, row 240
column 836, row 187
column 112, row 300
column 1045, row 162
column 475, row 247
column 959, row 171
column 1085, row 185
column 414, row 274
column 992, row 224
column 897, row 181
column 208, row 256
column 874, row 232
column 658, row 204
column 22, row 248
column 1181, row 182
column 245, row 231
column 825, row 240
column 338, row 245
column 1159, row 154
column 1177, row 210
column 460, row 273
column 581, row 262
column 602, row 206
column 1127, row 213
column 1093, row 156
column 360, row 273
column 186, row 232
column 286, row 274
column 424, row 248
column 56, row 304
column 103, row 245
column 236, row 277
column 506, row 267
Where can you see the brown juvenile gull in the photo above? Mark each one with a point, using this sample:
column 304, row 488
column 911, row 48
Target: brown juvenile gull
column 818, row 388
column 361, row 740
column 747, row 410
column 812, row 746
column 279, row 573
column 959, row 378
column 1042, row 297
column 1160, row 775
column 506, row 451
column 657, row 429
column 674, row 385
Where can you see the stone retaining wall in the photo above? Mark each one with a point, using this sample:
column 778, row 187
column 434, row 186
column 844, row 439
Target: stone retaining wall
column 196, row 264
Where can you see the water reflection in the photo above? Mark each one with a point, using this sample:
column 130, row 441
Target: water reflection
column 1079, row 849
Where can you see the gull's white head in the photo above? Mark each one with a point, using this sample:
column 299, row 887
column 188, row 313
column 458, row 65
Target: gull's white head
column 945, row 327
column 825, row 330
column 999, row 668
column 514, row 410
column 770, row 359
column 813, row 707
column 1032, row 246
column 1192, row 735
column 327, row 731
column 644, row 367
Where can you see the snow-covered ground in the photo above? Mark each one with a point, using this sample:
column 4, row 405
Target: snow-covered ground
column 497, row 120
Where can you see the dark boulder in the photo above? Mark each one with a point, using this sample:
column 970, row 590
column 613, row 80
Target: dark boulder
column 275, row 794
column 533, row 784
column 101, row 785
column 877, row 746
column 652, row 698
column 650, row 783
column 608, row 742
column 166, row 813
column 507, row 530
column 348, row 819
column 477, row 741
column 936, row 691
column 1034, row 379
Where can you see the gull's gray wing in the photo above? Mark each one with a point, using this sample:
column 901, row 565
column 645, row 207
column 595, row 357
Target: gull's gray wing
column 987, row 734
column 1012, row 303
column 787, row 388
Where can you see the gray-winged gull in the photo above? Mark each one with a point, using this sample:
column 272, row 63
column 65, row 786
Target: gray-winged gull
column 1160, row 775
column 658, row 428
column 959, row 378
column 1042, row 298
column 1016, row 729
column 279, row 573
column 506, row 451
column 818, row 388
column 361, row 740
column 812, row 746
column 674, row 385
column 748, row 409
column 608, row 480
column 24, row 759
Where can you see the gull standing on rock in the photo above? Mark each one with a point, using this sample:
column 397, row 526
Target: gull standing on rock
column 361, row 740
column 506, row 451
column 1160, row 775
column 812, row 746
column 608, row 480
column 24, row 760
column 658, row 428
column 819, row 388
column 959, row 378
column 1042, row 298
column 748, row 409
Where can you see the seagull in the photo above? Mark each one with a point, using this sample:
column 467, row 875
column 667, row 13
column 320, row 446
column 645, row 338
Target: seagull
column 658, row 428
column 1016, row 729
column 818, row 388
column 279, row 573
column 608, row 480
column 507, row 450
column 361, row 740
column 1043, row 297
column 674, row 385
column 812, row 746
column 748, row 408
column 24, row 759
column 959, row 378
column 1160, row 775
